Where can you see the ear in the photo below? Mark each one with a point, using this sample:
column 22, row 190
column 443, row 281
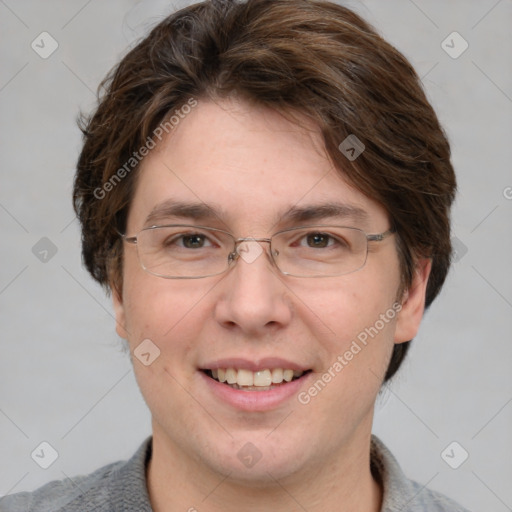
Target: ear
column 117, row 301
column 413, row 303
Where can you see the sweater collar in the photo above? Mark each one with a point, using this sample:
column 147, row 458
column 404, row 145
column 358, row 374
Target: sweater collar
column 129, row 482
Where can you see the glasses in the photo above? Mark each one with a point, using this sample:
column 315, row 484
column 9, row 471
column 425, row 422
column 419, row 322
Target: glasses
column 182, row 251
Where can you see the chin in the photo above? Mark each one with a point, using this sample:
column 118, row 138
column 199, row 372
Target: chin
column 255, row 460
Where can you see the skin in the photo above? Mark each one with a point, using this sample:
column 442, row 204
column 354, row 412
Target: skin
column 254, row 165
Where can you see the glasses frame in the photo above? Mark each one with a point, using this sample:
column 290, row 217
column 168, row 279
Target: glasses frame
column 234, row 255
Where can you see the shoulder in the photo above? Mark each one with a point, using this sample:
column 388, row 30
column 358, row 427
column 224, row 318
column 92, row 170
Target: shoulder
column 62, row 495
column 427, row 500
column 117, row 486
column 402, row 494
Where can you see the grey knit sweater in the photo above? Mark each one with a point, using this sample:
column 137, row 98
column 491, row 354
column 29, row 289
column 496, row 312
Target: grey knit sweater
column 121, row 487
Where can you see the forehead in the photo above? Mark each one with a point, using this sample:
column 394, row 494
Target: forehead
column 242, row 165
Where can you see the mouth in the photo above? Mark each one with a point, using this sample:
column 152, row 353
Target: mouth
column 260, row 380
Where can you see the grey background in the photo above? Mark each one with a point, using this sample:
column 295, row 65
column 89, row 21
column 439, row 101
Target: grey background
column 64, row 376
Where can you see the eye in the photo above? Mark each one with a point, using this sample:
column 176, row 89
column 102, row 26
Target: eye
column 195, row 241
column 318, row 240
column 321, row 240
column 187, row 241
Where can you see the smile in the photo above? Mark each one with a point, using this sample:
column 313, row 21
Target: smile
column 261, row 380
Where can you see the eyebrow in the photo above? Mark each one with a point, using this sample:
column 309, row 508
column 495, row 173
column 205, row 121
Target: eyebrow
column 297, row 214
column 180, row 209
column 315, row 212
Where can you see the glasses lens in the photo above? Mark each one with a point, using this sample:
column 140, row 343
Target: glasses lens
column 184, row 251
column 316, row 251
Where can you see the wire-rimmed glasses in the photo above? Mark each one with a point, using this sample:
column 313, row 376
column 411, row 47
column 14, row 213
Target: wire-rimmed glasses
column 183, row 251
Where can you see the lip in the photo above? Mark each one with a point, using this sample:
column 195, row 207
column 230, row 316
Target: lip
column 254, row 365
column 255, row 401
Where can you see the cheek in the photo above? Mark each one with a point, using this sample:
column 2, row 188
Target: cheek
column 167, row 316
column 164, row 320
column 359, row 314
column 349, row 307
column 158, row 308
column 357, row 356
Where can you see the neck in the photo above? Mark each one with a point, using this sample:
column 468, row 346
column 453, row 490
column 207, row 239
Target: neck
column 344, row 483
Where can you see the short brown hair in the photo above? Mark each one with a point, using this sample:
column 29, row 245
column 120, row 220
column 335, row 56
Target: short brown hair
column 313, row 57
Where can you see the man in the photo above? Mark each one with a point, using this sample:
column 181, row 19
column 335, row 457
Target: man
column 265, row 190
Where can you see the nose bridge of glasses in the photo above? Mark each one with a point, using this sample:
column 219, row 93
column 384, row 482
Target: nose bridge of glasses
column 250, row 239
column 248, row 248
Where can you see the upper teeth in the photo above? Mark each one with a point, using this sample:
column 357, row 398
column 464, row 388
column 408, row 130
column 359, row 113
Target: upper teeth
column 260, row 378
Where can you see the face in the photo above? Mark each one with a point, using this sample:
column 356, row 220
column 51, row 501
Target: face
column 252, row 166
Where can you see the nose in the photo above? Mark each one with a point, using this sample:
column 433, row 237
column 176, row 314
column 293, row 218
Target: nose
column 254, row 299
